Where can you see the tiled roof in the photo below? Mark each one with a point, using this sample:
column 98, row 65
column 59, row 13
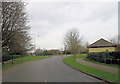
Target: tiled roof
column 101, row 43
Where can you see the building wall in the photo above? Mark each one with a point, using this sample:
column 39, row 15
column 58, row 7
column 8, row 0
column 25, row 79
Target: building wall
column 102, row 49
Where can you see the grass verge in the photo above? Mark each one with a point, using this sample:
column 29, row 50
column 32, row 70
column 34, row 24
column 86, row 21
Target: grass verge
column 109, row 76
column 22, row 60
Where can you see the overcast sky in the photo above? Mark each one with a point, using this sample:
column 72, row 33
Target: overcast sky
column 51, row 20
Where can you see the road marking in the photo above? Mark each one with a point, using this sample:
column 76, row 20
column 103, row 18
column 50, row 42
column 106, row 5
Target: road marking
column 45, row 80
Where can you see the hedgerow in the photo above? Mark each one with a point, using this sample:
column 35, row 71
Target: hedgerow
column 105, row 57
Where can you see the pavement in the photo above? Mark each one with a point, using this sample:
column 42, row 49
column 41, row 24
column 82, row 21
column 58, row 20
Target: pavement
column 45, row 70
column 98, row 66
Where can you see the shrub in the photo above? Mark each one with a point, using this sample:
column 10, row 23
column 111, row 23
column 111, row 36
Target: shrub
column 9, row 57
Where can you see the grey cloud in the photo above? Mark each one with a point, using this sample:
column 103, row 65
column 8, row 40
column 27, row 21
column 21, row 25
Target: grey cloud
column 52, row 20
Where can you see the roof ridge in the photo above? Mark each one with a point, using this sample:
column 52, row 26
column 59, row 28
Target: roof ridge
column 100, row 40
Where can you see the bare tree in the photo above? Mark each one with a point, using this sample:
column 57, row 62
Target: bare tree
column 86, row 44
column 38, row 52
column 73, row 41
column 15, row 37
column 114, row 39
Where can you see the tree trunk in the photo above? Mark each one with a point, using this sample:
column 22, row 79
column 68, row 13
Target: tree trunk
column 75, row 57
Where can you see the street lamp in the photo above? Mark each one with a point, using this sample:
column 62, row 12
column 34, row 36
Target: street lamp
column 34, row 41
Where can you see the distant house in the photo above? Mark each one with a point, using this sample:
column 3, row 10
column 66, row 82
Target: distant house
column 102, row 45
column 55, row 52
column 30, row 53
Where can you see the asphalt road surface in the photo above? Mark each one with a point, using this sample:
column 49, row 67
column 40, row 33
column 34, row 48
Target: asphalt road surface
column 46, row 70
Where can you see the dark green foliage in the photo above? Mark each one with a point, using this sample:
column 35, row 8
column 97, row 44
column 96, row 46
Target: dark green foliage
column 105, row 57
column 9, row 57
column 67, row 52
column 39, row 52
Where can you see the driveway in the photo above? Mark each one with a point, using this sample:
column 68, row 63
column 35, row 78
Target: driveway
column 46, row 70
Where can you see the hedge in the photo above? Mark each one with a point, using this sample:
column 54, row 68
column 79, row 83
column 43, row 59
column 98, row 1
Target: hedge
column 9, row 57
column 105, row 57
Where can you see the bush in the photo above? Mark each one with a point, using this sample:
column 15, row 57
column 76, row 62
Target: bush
column 9, row 57
column 106, row 57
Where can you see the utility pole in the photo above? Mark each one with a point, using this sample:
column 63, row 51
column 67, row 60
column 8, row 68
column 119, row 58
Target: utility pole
column 34, row 44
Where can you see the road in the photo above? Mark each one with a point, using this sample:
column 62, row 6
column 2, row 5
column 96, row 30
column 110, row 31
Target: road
column 46, row 70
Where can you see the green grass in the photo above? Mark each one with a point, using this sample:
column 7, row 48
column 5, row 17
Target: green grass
column 81, row 55
column 113, row 77
column 22, row 60
column 95, row 62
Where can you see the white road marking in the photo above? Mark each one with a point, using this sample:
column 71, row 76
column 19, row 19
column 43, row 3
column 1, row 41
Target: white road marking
column 45, row 80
